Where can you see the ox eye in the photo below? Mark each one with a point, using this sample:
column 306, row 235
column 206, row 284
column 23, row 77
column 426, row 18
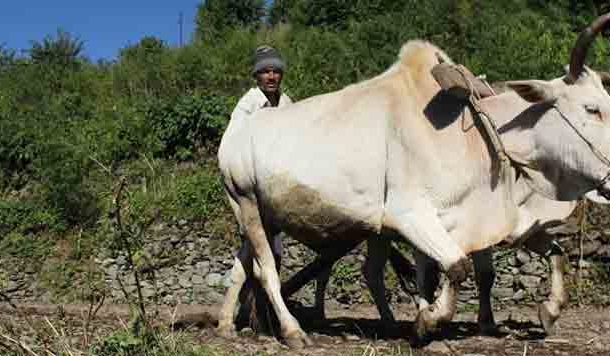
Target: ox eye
column 594, row 110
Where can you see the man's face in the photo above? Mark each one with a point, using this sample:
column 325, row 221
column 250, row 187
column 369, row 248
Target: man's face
column 269, row 79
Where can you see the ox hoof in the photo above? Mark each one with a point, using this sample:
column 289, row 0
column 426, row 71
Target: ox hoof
column 424, row 325
column 318, row 315
column 297, row 340
column 226, row 331
column 489, row 329
column 547, row 318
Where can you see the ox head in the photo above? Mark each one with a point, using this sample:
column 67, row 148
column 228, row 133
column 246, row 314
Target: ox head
column 571, row 134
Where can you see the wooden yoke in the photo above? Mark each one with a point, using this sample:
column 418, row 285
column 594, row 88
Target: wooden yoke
column 460, row 82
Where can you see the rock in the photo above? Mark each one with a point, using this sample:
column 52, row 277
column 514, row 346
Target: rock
column 533, row 267
column 11, row 287
column 502, row 293
column 170, row 281
column 529, row 282
column 214, row 279
column 197, row 279
column 202, row 268
column 148, row 292
column 591, row 247
column 584, row 264
column 604, row 251
column 519, row 295
column 213, row 297
column 569, row 228
column 512, row 261
column 350, row 337
column 112, row 271
column 523, row 257
column 438, row 347
column 187, row 274
column 121, row 261
column 226, row 282
column 247, row 332
column 505, row 280
column 108, row 262
column 465, row 296
column 185, row 283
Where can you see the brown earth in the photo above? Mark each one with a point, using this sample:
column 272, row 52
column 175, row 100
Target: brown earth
column 580, row 331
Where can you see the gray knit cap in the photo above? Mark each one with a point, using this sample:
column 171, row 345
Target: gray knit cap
column 267, row 56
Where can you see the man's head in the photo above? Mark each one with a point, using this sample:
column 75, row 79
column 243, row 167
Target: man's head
column 268, row 69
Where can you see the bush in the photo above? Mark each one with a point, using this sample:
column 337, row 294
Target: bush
column 27, row 248
column 201, row 195
column 192, row 124
column 24, row 216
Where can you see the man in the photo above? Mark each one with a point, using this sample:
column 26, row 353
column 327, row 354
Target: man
column 268, row 71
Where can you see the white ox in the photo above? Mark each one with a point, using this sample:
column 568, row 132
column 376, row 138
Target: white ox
column 541, row 212
column 394, row 154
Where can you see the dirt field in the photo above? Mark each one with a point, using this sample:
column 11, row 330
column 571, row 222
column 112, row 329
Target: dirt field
column 580, row 331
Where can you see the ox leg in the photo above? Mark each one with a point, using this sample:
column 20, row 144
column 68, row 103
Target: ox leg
column 549, row 311
column 243, row 262
column 324, row 261
column 427, row 275
column 265, row 270
column 373, row 270
column 421, row 226
column 257, row 308
column 485, row 275
column 321, row 283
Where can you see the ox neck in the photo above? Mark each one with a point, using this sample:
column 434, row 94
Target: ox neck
column 510, row 114
column 505, row 107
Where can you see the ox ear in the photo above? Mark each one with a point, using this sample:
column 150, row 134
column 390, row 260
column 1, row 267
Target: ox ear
column 533, row 91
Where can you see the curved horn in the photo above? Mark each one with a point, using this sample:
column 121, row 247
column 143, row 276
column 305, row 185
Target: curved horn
column 586, row 37
column 605, row 77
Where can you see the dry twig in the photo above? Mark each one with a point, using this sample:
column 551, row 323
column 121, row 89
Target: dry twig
column 21, row 345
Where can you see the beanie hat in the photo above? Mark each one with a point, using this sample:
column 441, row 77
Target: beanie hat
column 267, row 56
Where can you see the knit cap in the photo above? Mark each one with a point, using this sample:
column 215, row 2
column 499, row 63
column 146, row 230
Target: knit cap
column 267, row 56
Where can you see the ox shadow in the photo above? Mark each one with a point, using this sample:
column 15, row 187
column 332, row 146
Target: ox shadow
column 444, row 109
column 374, row 329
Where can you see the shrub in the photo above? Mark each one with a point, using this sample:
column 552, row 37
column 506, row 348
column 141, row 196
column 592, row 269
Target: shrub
column 26, row 247
column 192, row 124
column 24, row 216
column 201, row 195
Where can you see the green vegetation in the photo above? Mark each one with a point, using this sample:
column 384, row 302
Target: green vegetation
column 70, row 129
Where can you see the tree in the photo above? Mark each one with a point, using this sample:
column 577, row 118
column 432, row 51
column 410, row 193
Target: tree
column 64, row 50
column 214, row 17
column 140, row 69
column 333, row 13
column 280, row 11
column 7, row 56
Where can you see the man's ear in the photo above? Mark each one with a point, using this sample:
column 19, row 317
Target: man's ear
column 533, row 91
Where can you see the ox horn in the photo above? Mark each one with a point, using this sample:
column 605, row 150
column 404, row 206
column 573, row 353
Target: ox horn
column 586, row 37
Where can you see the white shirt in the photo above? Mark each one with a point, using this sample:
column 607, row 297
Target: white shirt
column 253, row 101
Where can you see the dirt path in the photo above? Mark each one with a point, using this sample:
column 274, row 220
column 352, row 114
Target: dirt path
column 580, row 331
